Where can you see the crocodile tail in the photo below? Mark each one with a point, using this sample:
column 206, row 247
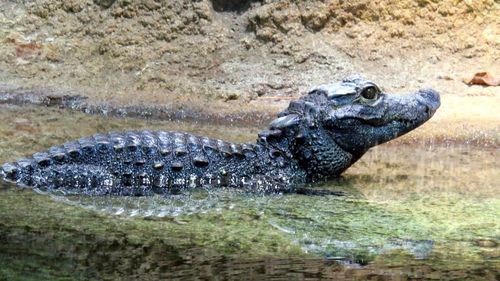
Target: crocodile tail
column 35, row 170
column 19, row 172
column 3, row 174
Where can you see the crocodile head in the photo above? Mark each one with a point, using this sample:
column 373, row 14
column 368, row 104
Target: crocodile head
column 353, row 115
column 359, row 115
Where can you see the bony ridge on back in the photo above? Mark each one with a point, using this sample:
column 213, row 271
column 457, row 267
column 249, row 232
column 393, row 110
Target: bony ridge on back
column 317, row 137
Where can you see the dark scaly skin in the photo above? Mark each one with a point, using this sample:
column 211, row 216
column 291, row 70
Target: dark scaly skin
column 317, row 137
column 147, row 162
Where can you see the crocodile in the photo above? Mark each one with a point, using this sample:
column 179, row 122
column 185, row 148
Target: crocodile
column 316, row 138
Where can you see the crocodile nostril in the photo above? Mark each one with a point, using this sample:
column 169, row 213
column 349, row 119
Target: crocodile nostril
column 427, row 110
column 430, row 98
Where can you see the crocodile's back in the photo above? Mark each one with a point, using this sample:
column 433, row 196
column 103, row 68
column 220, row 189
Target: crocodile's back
column 132, row 163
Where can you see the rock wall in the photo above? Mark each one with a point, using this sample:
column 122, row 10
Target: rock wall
column 228, row 51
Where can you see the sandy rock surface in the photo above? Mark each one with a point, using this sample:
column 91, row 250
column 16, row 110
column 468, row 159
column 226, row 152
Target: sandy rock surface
column 249, row 56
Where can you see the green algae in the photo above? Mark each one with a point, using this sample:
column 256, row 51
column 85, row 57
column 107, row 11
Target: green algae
column 416, row 211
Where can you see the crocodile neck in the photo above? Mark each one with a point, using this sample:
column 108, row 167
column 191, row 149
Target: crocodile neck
column 315, row 154
column 322, row 158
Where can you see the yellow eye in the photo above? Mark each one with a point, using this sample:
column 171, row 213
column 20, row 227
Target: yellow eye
column 369, row 93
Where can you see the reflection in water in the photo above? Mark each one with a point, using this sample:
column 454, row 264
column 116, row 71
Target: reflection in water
column 309, row 236
column 408, row 212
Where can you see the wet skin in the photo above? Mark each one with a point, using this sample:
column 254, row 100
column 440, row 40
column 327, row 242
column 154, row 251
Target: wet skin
column 317, row 137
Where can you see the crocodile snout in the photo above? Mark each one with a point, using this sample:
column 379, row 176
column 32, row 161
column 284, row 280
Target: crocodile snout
column 430, row 98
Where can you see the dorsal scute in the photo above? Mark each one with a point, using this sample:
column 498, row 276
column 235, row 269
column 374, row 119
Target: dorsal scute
column 285, row 121
column 148, row 139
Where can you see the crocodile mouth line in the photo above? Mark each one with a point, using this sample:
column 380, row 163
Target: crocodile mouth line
column 405, row 122
column 381, row 123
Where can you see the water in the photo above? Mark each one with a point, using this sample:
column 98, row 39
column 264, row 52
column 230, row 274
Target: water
column 414, row 211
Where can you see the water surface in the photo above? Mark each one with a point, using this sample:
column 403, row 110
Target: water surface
column 415, row 211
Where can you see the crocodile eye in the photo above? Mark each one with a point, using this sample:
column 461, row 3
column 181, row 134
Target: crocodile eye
column 370, row 93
